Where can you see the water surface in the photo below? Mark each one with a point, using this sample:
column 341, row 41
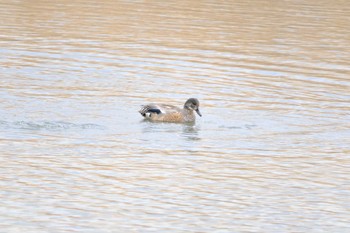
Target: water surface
column 270, row 154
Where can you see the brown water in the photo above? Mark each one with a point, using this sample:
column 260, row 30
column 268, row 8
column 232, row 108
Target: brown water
column 270, row 154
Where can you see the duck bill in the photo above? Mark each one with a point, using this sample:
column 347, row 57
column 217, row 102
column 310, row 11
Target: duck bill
column 198, row 112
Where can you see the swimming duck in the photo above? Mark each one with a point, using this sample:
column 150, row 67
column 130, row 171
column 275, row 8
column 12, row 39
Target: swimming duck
column 170, row 113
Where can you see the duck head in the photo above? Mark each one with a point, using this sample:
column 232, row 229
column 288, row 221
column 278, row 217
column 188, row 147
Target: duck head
column 193, row 104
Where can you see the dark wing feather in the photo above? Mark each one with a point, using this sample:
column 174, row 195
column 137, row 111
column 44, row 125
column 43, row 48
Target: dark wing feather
column 150, row 109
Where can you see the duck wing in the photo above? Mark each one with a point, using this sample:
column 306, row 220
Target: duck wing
column 158, row 109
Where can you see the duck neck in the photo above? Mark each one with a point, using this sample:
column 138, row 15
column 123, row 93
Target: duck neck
column 188, row 114
column 188, row 110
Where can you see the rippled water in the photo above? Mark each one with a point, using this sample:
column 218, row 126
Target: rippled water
column 270, row 154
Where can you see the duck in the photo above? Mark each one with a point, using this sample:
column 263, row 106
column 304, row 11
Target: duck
column 170, row 113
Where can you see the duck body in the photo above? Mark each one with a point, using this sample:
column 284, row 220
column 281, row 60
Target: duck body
column 170, row 113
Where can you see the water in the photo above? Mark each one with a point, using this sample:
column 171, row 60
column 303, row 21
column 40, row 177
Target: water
column 270, row 154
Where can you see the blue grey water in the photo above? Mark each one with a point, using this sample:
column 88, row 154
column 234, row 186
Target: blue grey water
column 270, row 154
